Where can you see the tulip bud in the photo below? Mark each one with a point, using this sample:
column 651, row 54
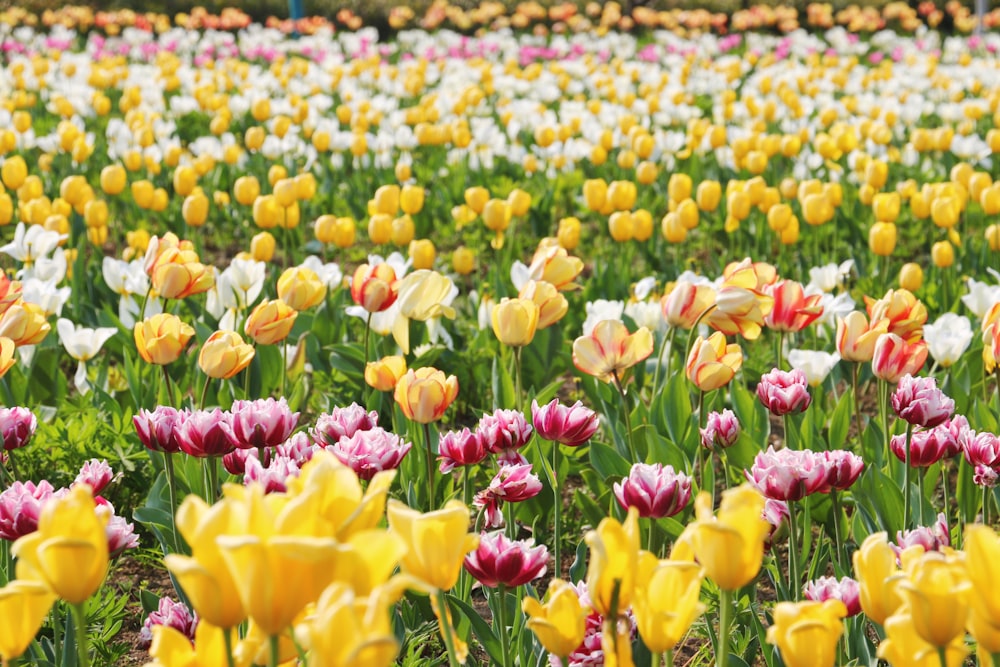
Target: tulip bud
column 784, row 392
column 195, row 210
column 246, row 190
column 943, row 254
column 911, row 277
column 463, row 261
column 515, row 321
column 422, row 254
column 382, row 375
column 224, row 355
column 301, row 288
column 882, row 238
column 270, row 322
column 656, row 491
column 113, row 179
column 160, row 339
column 262, row 247
column 569, row 233
column 374, row 287
column 411, row 199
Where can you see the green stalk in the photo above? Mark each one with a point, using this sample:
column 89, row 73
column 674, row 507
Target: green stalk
column 502, row 629
column 517, row 378
column 368, row 328
column 82, row 645
column 725, row 608
column 656, row 659
column 794, row 580
column 446, row 630
column 854, row 398
column 628, row 417
column 168, row 467
column 204, row 393
column 838, row 542
column 556, row 508
column 883, row 399
column 275, row 654
column 668, row 344
column 943, row 656
column 228, row 636
column 669, row 658
column 430, row 467
column 906, row 478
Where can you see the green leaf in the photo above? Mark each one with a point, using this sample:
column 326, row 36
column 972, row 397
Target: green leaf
column 578, row 570
column 503, row 385
column 607, row 461
column 881, row 501
column 840, row 421
column 675, row 404
column 484, row 633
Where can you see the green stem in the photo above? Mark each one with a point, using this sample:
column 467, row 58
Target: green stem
column 227, row 634
column 275, row 658
column 449, row 640
column 986, row 505
column 943, row 656
column 168, row 468
column 628, row 417
column 204, row 393
column 368, row 328
column 82, row 645
column 169, row 386
column 502, row 629
column 284, row 366
column 781, row 347
column 995, row 659
column 854, row 398
column 668, row 656
column 666, row 348
column 517, row 378
column 429, row 449
column 725, row 609
column 883, row 400
column 906, row 477
column 655, row 659
column 838, row 541
column 920, row 497
column 794, row 579
column 556, row 510
column 15, row 475
column 213, row 479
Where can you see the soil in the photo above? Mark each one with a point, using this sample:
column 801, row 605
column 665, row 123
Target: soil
column 130, row 576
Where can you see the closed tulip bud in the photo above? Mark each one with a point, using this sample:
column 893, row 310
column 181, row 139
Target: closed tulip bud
column 290, row 216
column 374, row 287
column 411, row 199
column 224, row 355
column 520, row 202
column 69, row 551
column 246, row 190
column 673, row 229
column 878, row 578
column 882, row 238
column 301, row 288
column 380, row 228
column 24, row 605
column 270, row 322
column 712, row 363
column 911, row 277
column 195, row 209
column 24, row 323
column 552, row 305
column 262, row 247
column 13, row 172
column 708, row 195
column 595, row 193
column 305, row 186
column 476, row 198
column 515, row 321
column 382, row 375
column 943, row 254
column 806, row 633
column 463, row 261
column 886, row 206
column 656, row 491
column 325, row 228
column 387, row 199
column 945, row 212
column 422, row 254
column 569, row 233
column 267, row 213
column 621, row 195
column 113, row 179
column 817, row 209
column 185, row 178
column 561, row 623
column 254, row 137
column 496, row 215
column 642, row 224
column 436, row 542
column 403, row 230
column 620, row 226
column 666, row 600
column 679, row 187
column 424, row 394
column 160, row 339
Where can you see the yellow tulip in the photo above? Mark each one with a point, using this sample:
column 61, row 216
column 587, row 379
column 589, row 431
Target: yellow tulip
column 7, row 359
column 730, row 546
column 171, row 648
column 552, row 305
column 224, row 355
column 878, row 577
column 882, row 238
column 179, row 274
column 911, row 276
column 679, row 187
column 301, row 288
column 568, row 234
column 520, row 202
column 614, row 560
column 610, row 349
column 270, row 322
column 23, row 607
column 943, row 254
column 424, row 394
column 886, row 206
column 937, row 593
column 982, row 563
column 69, row 551
column 347, row 630
column 160, row 339
column 246, row 189
column 595, row 193
column 712, row 363
column 806, row 633
column 708, row 195
column 422, row 254
column 463, row 261
column 262, row 246
column 24, row 323
column 515, row 321
column 476, row 198
column 411, row 199
column 437, row 542
column 421, row 296
column 13, row 172
column 904, row 647
column 666, row 600
column 382, row 375
column 561, row 623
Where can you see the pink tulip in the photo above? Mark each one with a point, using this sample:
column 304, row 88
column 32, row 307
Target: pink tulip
column 511, row 457
column 204, row 433
column 722, row 430
column 340, row 422
column 788, row 474
column 846, row 590
column 958, row 431
column 460, row 448
column 499, row 561
column 372, row 451
column 894, row 357
column 504, row 429
column 571, row 426
column 920, row 402
column 17, row 425
column 20, row 505
column 273, row 477
column 156, row 429
column 784, row 392
column 985, row 476
column 121, row 534
column 515, row 483
column 842, row 469
column 931, row 538
column 775, row 513
column 982, row 449
column 261, row 423
column 172, row 614
column 927, row 446
column 655, row 490
column 490, row 508
column 97, row 475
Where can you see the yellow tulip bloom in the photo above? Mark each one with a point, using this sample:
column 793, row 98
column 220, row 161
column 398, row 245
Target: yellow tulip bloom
column 903, row 645
column 424, row 394
column 878, row 577
column 561, row 623
column 347, row 629
column 160, row 339
column 23, row 607
column 937, row 592
column 170, row 648
column 69, row 551
column 712, row 363
column 982, row 563
column 437, row 542
column 614, row 560
column 224, row 355
column 806, row 633
column 422, row 296
column 729, row 546
column 515, row 321
column 666, row 600
column 610, row 349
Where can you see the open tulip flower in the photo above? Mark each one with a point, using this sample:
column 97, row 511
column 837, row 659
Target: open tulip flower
column 793, row 311
column 712, row 363
column 610, row 349
column 806, row 633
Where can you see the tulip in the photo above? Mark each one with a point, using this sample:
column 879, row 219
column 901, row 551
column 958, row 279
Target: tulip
column 342, row 423
column 788, row 474
column 982, row 548
column 561, row 623
column 816, row 365
column 171, row 648
column 423, row 295
column 179, row 274
column 878, row 578
column 262, row 423
column 903, row 645
column 721, row 430
column 846, row 590
column 498, row 561
column 729, row 546
column 202, row 433
column 515, row 321
column 654, row 490
column 855, row 339
column 160, row 339
column 614, row 560
column 666, row 600
column 382, row 375
column 346, row 629
column 806, row 633
column 712, row 363
column 371, row 451
column 170, row 614
column 157, row 429
column 948, row 338
column 793, row 311
column 552, row 305
column 937, row 591
column 7, row 360
column 611, row 349
column 894, row 357
column 568, row 233
column 882, row 238
column 437, row 542
column 69, row 551
column 20, row 508
column 685, row 304
column 301, row 288
column 17, row 425
column 424, row 394
column 503, row 430
column 927, row 538
column 224, row 355
column 273, row 478
column 513, row 483
column 905, row 313
column 784, row 392
column 919, row 402
column 911, row 277
column 571, row 426
column 460, row 448
column 24, row 324
column 24, row 606
column 842, row 469
column 270, row 322
column 96, row 474
column 553, row 264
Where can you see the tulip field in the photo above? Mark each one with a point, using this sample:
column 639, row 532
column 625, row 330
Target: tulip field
column 522, row 336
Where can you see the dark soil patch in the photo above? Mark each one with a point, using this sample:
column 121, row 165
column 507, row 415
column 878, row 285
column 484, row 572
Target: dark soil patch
column 130, row 576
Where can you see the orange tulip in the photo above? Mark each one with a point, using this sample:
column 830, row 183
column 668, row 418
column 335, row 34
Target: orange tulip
column 856, row 339
column 610, row 349
column 894, row 357
column 903, row 311
column 793, row 311
column 424, row 394
column 712, row 363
